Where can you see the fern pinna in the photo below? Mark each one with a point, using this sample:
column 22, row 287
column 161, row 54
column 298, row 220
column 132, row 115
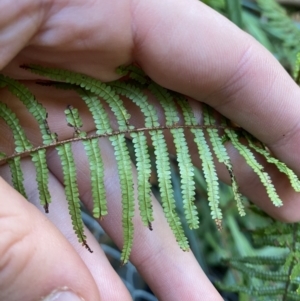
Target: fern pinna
column 209, row 138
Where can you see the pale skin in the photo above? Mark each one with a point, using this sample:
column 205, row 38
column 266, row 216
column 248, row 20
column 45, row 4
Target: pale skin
column 182, row 45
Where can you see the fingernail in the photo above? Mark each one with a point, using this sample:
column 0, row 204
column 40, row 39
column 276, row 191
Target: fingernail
column 63, row 295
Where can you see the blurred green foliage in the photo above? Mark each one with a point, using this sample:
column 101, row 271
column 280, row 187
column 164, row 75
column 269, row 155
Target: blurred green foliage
column 274, row 26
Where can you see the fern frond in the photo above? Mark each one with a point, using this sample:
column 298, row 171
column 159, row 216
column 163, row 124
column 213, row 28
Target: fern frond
column 278, row 23
column 271, row 240
column 210, row 175
column 93, row 93
column 71, row 190
column 269, row 291
column 292, row 266
column 282, row 272
column 261, row 274
column 257, row 168
column 126, row 184
column 222, row 156
column 260, row 260
column 165, row 186
column 42, row 177
column 34, row 107
column 294, row 181
column 17, row 175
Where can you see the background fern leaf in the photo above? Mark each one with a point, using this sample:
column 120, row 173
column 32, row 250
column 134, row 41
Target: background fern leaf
column 71, row 190
column 126, row 184
column 260, row 260
column 263, row 292
column 280, row 273
column 292, row 266
column 280, row 26
column 257, row 273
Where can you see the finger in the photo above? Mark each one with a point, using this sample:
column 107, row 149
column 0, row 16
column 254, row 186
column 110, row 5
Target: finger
column 156, row 253
column 108, row 283
column 98, row 42
column 35, row 259
column 189, row 48
column 18, row 24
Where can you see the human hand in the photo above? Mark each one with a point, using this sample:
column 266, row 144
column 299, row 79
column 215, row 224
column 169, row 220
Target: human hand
column 216, row 63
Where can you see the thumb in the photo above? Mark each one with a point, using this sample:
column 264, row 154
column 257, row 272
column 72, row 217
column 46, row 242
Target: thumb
column 35, row 259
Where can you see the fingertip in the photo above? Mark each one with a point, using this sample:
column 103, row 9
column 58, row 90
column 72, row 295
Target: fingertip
column 62, row 294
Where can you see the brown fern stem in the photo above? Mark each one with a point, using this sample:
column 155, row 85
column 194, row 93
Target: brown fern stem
column 94, row 136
